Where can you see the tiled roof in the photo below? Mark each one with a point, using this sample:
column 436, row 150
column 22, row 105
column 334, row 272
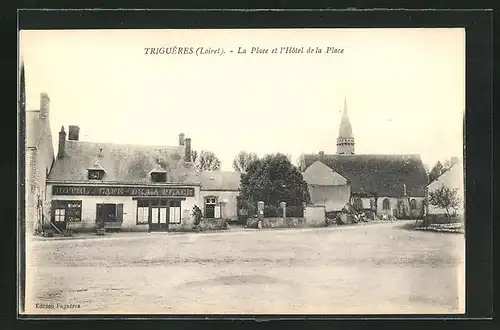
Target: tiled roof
column 384, row 175
column 321, row 175
column 217, row 180
column 123, row 163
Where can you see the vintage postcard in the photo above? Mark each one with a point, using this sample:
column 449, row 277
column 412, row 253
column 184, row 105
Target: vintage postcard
column 243, row 171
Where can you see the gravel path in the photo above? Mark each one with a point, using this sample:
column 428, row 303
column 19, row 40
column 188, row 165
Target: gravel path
column 372, row 269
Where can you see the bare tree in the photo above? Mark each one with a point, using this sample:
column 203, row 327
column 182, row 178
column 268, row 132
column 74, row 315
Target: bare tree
column 445, row 198
column 448, row 163
column 207, row 161
column 194, row 155
column 242, row 160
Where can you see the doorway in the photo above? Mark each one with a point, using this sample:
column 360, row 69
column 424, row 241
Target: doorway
column 210, row 205
column 158, row 219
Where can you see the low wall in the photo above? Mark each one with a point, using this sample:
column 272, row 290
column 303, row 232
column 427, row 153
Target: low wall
column 280, row 222
column 315, row 216
column 442, row 218
column 277, row 222
column 213, row 224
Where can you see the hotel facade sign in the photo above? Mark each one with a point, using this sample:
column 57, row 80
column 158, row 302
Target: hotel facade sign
column 122, row 191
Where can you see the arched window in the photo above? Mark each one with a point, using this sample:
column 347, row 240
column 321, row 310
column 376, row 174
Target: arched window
column 386, row 204
column 413, row 204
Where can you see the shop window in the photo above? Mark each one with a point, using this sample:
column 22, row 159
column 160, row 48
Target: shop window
column 142, row 212
column 175, row 212
column 386, row 204
column 66, row 211
column 109, row 213
column 413, row 204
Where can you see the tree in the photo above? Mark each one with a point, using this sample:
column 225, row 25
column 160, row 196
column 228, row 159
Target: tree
column 445, row 198
column 242, row 160
column 196, row 212
column 440, row 168
column 207, row 161
column 194, row 155
column 435, row 172
column 301, row 164
column 273, row 179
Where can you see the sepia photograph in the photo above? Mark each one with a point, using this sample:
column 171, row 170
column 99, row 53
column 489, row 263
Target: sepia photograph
column 243, row 171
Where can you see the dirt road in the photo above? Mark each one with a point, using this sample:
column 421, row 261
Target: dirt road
column 379, row 268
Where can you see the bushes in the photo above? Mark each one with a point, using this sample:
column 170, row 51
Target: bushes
column 197, row 217
column 295, row 211
column 272, row 211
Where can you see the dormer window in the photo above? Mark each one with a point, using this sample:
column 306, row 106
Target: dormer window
column 96, row 172
column 158, row 175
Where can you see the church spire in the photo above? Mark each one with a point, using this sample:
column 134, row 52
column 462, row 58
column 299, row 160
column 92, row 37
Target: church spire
column 345, row 140
column 345, row 129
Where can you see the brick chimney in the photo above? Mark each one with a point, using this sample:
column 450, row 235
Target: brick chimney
column 62, row 143
column 187, row 150
column 44, row 105
column 74, row 132
column 181, row 139
column 321, row 155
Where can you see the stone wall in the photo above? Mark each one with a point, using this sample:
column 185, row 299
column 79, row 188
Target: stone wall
column 442, row 218
column 213, row 224
column 277, row 222
column 315, row 216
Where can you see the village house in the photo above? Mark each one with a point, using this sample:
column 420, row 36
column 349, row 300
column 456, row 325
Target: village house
column 134, row 187
column 386, row 184
column 327, row 187
column 219, row 191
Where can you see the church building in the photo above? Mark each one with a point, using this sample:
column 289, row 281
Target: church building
column 386, row 184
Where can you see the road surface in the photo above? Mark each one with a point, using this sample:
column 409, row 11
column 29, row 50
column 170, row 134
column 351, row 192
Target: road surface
column 369, row 269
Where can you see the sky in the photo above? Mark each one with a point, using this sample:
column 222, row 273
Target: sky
column 405, row 89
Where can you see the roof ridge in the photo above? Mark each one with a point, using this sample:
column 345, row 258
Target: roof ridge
column 124, row 144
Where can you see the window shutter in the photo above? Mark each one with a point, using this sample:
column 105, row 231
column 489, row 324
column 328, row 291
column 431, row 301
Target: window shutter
column 217, row 212
column 99, row 212
column 119, row 212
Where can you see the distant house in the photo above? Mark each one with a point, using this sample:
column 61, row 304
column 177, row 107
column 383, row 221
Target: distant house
column 219, row 192
column 387, row 184
column 326, row 187
column 453, row 178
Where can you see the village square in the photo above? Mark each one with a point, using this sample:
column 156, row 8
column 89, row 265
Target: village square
column 317, row 177
column 112, row 227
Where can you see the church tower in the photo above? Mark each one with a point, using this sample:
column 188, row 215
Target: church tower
column 345, row 141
